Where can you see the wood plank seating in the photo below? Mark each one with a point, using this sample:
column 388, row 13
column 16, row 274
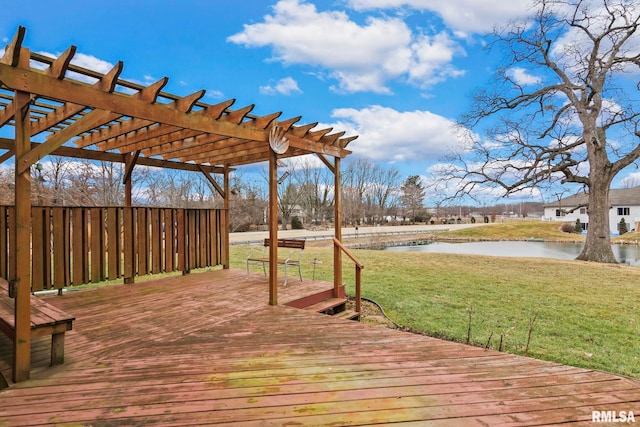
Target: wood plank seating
column 45, row 320
column 294, row 257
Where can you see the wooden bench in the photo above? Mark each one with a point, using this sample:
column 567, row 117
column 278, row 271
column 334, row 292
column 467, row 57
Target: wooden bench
column 45, row 320
column 293, row 258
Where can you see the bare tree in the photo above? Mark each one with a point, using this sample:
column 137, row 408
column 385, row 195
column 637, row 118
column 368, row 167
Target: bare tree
column 315, row 186
column 356, row 180
column 7, row 176
column 288, row 194
column 288, row 197
column 559, row 107
column 108, row 184
column 247, row 203
column 70, row 182
column 167, row 188
column 384, row 191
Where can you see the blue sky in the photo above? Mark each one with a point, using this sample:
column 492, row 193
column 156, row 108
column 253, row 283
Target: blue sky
column 396, row 72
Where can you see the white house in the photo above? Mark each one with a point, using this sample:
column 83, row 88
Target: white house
column 623, row 203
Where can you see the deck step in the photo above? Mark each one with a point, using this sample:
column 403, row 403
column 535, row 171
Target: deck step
column 327, row 304
column 348, row 315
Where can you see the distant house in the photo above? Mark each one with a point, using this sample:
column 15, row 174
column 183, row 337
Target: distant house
column 623, row 203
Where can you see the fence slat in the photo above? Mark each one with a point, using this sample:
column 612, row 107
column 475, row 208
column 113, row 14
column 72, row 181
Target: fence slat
column 97, row 244
column 156, row 241
column 78, row 247
column 12, row 243
column 129, row 237
column 143, row 241
column 47, row 249
column 192, row 239
column 169, row 240
column 4, row 242
column 113, row 243
column 59, row 253
column 38, row 257
column 182, row 241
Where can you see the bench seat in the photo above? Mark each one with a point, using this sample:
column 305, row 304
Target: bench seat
column 46, row 319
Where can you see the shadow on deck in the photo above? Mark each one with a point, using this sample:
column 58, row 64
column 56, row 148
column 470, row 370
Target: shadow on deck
column 207, row 348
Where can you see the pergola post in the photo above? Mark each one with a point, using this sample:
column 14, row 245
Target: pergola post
column 21, row 251
column 225, row 227
column 273, row 229
column 337, row 216
column 128, row 221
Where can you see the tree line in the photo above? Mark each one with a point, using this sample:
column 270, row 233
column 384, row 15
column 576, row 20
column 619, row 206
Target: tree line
column 371, row 193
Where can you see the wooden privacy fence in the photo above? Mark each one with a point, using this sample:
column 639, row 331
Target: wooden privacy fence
column 72, row 246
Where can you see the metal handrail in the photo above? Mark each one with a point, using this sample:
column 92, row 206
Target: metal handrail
column 359, row 266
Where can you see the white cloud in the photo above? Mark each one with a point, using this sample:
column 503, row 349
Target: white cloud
column 85, row 61
column 631, row 180
column 473, row 16
column 308, row 161
column 521, row 77
column 214, row 94
column 286, row 86
column 432, row 59
column 360, row 57
column 389, row 135
column 92, row 63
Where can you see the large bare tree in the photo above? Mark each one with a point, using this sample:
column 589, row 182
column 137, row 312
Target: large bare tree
column 314, row 182
column 383, row 193
column 564, row 108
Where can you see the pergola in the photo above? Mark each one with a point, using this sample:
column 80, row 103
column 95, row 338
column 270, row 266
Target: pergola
column 76, row 112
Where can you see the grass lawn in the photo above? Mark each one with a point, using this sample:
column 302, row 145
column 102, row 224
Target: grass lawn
column 586, row 314
column 549, row 231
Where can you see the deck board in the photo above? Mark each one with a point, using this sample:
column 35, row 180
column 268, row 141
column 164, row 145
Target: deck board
column 207, row 349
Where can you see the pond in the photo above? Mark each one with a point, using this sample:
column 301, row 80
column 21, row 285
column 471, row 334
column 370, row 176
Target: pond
column 625, row 254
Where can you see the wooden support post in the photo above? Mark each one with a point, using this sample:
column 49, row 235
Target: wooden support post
column 57, row 349
column 128, row 222
column 129, row 163
column 21, row 250
column 273, row 229
column 337, row 219
column 224, row 232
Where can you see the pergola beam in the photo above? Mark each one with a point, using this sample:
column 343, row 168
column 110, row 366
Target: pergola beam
column 48, row 87
column 130, row 163
column 221, row 191
column 77, row 153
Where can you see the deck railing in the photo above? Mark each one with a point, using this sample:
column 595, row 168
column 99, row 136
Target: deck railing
column 72, row 246
column 359, row 267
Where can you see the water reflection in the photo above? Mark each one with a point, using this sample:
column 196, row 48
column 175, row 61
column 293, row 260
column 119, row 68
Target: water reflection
column 625, row 254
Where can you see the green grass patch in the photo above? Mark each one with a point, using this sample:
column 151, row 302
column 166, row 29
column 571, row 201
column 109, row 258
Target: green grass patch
column 587, row 314
column 627, row 238
column 515, row 230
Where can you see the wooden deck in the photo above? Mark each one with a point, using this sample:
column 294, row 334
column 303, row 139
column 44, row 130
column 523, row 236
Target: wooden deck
column 207, row 349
